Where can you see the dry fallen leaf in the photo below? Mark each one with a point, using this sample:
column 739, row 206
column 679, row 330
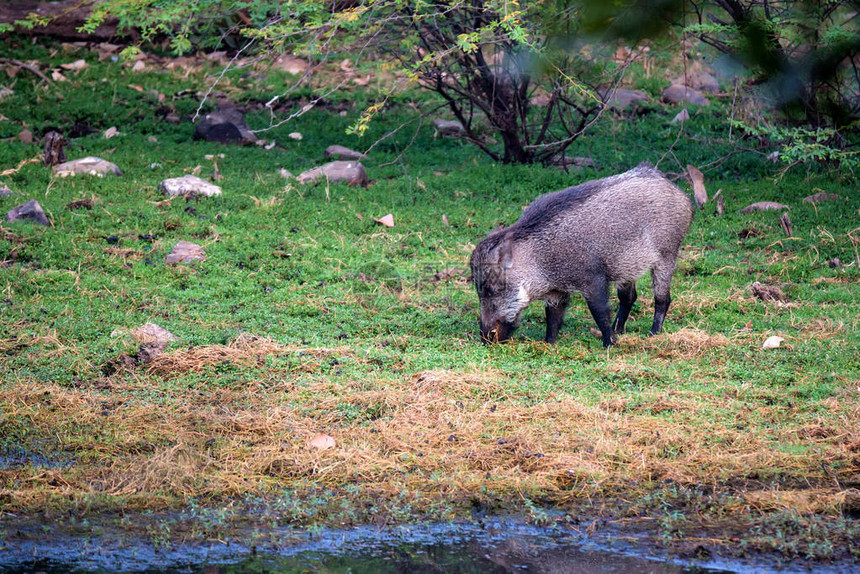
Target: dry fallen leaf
column 321, row 441
column 386, row 220
column 111, row 132
column 772, row 342
column 75, row 66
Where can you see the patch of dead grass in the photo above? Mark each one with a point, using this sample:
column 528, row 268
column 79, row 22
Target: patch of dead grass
column 124, row 253
column 438, row 433
column 176, row 468
column 15, row 344
column 687, row 343
column 806, row 502
column 825, row 328
column 839, row 279
column 245, row 350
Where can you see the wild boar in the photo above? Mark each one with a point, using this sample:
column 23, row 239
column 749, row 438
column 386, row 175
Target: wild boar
column 582, row 239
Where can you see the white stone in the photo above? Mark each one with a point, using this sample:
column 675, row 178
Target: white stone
column 189, row 185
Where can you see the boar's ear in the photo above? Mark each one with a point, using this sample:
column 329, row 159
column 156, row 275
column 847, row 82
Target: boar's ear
column 506, row 252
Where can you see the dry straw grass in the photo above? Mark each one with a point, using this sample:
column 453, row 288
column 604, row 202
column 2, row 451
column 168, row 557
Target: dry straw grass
column 825, row 328
column 437, row 434
column 245, row 350
column 810, row 501
column 687, row 343
column 176, row 468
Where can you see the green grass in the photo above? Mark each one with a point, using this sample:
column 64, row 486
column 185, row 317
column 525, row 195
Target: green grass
column 364, row 313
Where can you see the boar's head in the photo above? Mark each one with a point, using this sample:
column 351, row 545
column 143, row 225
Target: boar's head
column 502, row 296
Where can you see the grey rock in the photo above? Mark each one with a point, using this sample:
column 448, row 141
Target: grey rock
column 5, row 191
column 153, row 341
column 185, row 252
column 189, row 186
column 351, row 172
column 763, row 206
column 813, row 199
column 224, row 125
column 291, row 65
column 31, row 211
column 682, row 116
column 151, row 334
column 448, row 128
column 88, row 166
column 676, row 94
column 344, row 153
column 571, row 161
column 622, row 98
column 699, row 80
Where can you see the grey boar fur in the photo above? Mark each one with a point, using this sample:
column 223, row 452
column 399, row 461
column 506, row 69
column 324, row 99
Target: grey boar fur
column 583, row 239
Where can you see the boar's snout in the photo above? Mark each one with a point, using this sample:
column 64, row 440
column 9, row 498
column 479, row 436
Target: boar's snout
column 496, row 332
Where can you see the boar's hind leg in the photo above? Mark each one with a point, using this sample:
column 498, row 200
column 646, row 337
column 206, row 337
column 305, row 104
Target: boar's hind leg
column 597, row 297
column 661, row 278
column 626, row 298
column 555, row 315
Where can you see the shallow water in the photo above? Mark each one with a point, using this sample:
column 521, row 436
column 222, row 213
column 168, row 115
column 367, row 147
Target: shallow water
column 498, row 547
column 16, row 456
column 490, row 546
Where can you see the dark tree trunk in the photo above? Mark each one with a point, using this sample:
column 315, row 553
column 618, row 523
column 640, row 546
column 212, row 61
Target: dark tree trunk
column 54, row 153
column 65, row 16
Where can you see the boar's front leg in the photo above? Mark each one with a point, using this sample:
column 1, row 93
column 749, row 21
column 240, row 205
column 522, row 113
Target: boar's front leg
column 555, row 308
column 597, row 297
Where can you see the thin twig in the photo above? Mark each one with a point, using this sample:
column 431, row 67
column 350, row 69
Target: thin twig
column 26, row 66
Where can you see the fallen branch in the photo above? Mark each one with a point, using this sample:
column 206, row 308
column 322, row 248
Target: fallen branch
column 26, row 66
column 37, row 159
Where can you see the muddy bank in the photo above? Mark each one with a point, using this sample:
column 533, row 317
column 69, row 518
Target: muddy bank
column 497, row 545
